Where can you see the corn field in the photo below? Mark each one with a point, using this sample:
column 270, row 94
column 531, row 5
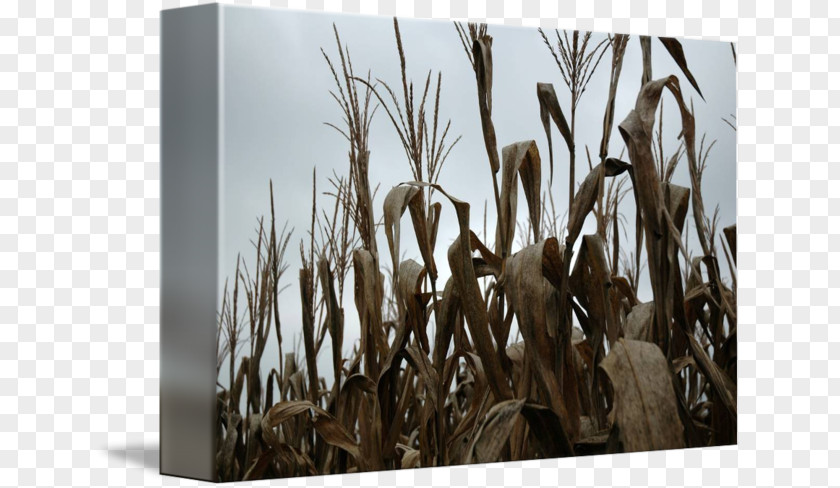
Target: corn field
column 439, row 377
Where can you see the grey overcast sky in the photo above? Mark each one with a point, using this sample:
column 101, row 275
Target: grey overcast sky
column 276, row 100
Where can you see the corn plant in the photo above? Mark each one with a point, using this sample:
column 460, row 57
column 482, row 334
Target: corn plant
column 438, row 377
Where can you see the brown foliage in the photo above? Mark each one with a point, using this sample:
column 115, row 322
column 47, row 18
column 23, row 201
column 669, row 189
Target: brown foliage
column 597, row 370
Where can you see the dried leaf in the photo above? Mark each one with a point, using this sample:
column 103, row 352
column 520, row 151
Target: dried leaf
column 463, row 274
column 682, row 363
column 306, row 299
column 495, row 431
column 544, row 423
column 445, row 326
column 483, row 66
column 731, row 240
column 411, row 276
column 676, row 202
column 636, row 129
column 590, row 283
column 394, row 206
column 360, row 382
column 335, row 316
column 585, row 197
column 647, row 70
column 396, row 201
column 325, row 424
column 335, row 434
column 527, row 291
column 549, row 106
column 483, row 55
column 619, row 46
column 231, row 436
column 421, row 363
column 410, row 458
column 520, row 160
column 722, row 384
column 623, row 286
column 432, row 224
column 615, row 167
column 639, row 322
column 645, row 408
column 675, row 49
column 368, row 297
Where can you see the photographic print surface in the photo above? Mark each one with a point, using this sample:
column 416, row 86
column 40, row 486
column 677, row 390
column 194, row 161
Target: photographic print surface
column 447, row 243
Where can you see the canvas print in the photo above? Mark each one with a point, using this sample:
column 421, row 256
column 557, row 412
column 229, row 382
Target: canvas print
column 445, row 243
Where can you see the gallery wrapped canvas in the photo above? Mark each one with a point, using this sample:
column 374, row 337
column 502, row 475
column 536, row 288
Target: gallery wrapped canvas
column 390, row 244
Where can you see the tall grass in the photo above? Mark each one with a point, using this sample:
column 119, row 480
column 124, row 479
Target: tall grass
column 596, row 370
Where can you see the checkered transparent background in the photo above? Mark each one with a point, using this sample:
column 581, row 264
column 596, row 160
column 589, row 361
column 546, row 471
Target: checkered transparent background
column 79, row 251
